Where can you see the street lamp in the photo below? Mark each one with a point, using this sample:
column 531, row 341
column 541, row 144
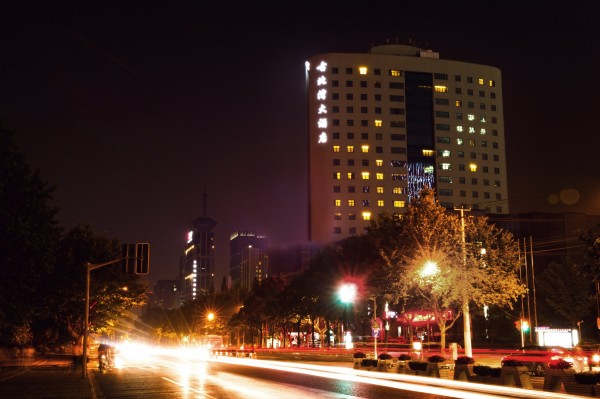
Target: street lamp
column 347, row 293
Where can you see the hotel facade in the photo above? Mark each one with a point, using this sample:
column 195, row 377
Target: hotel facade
column 386, row 123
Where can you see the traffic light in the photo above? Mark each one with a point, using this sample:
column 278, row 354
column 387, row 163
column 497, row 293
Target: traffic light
column 135, row 258
column 128, row 255
column 142, row 264
column 525, row 326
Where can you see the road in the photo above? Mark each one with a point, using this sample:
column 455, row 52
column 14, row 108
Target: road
column 183, row 374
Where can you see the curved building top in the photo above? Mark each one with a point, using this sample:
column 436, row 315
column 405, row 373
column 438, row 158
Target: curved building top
column 404, row 50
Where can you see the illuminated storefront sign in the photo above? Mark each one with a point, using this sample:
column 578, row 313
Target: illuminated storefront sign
column 422, row 317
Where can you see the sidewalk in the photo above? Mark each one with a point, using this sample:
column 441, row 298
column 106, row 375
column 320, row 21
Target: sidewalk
column 55, row 378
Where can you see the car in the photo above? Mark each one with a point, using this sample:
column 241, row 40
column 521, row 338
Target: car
column 538, row 358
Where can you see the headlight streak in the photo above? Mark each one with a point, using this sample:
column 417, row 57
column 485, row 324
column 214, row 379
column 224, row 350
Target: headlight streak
column 256, row 389
column 450, row 388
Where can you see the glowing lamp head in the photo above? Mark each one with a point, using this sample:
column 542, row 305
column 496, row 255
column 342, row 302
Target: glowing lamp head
column 348, row 292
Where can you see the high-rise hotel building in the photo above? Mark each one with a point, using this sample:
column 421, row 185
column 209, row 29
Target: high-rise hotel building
column 386, row 123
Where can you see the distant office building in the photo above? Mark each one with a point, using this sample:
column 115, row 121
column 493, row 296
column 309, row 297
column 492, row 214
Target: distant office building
column 166, row 294
column 287, row 260
column 198, row 262
column 245, row 257
column 386, row 123
column 548, row 237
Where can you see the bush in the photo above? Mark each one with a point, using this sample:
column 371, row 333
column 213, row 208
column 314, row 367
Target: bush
column 385, row 356
column 416, row 365
column 512, row 363
column 436, row 359
column 560, row 364
column 359, row 355
column 587, row 378
column 404, row 356
column 464, row 360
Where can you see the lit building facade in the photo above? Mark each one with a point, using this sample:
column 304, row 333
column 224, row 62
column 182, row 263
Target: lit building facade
column 246, row 252
column 198, row 263
column 384, row 124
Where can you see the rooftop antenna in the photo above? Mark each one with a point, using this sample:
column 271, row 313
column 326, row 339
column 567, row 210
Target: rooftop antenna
column 204, row 202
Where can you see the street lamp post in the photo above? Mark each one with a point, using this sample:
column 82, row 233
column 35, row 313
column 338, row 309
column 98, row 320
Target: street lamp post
column 375, row 324
column 465, row 300
column 347, row 295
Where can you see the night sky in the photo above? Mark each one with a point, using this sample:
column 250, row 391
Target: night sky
column 134, row 109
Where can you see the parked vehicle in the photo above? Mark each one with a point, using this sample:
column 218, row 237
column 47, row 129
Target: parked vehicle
column 538, row 358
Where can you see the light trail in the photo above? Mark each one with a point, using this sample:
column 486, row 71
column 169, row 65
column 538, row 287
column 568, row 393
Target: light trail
column 434, row 386
column 180, row 358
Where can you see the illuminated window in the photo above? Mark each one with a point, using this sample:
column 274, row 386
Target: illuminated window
column 482, row 131
column 379, row 190
column 398, row 190
column 337, row 202
column 350, row 148
column 366, row 215
column 337, row 216
column 459, row 141
column 365, row 148
column 337, row 176
column 482, row 119
column 399, row 204
column 365, row 175
column 350, row 202
column 471, row 117
column 379, row 162
column 492, row 83
column 445, row 153
column 378, row 123
column 427, row 153
column 441, row 89
column 459, row 128
column 458, row 103
column 473, row 167
column 362, row 70
column 472, row 143
column 336, row 148
column 379, row 176
column 428, row 169
column 395, row 72
column 350, row 176
column 480, row 81
column 445, row 166
column 380, row 203
column 471, row 129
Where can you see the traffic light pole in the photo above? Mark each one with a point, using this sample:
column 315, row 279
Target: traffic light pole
column 141, row 256
column 89, row 267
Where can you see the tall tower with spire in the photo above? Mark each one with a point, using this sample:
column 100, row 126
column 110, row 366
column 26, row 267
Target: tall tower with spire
column 198, row 266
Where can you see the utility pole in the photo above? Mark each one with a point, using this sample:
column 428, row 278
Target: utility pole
column 465, row 301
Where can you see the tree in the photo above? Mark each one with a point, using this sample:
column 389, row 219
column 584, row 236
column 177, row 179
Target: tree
column 430, row 263
column 29, row 234
column 567, row 290
column 112, row 292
